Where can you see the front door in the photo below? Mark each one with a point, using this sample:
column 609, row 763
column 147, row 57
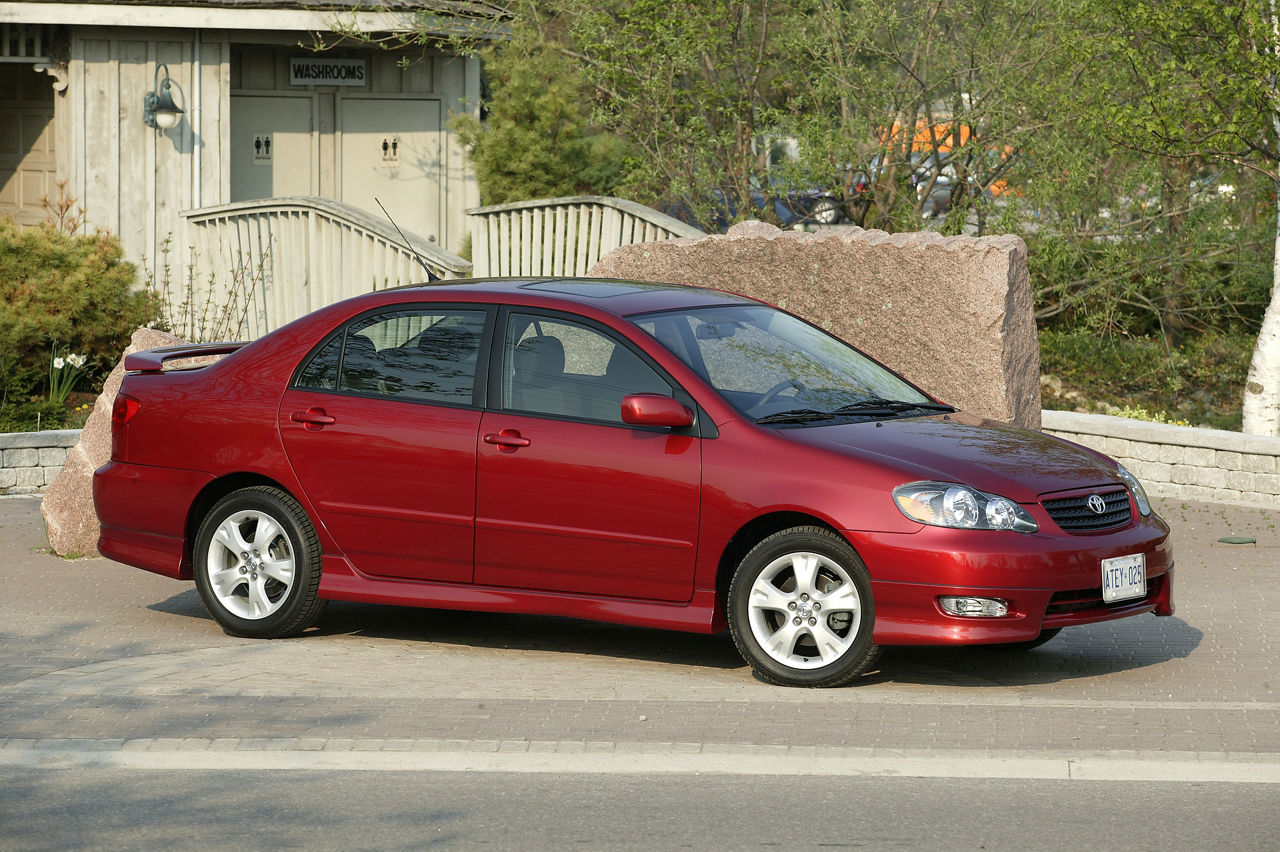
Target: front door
column 570, row 499
column 272, row 147
column 391, row 152
column 28, row 162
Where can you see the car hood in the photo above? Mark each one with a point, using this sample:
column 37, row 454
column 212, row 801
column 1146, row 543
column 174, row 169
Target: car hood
column 995, row 457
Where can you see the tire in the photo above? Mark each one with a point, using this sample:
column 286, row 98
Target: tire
column 826, row 211
column 257, row 564
column 1017, row 647
column 800, row 610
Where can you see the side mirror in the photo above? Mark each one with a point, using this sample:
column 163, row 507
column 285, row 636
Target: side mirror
column 654, row 409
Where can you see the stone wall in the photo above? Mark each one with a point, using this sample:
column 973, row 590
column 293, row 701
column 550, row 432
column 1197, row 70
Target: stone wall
column 951, row 314
column 1178, row 461
column 30, row 461
column 1171, row 461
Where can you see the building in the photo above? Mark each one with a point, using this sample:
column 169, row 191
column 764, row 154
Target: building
column 263, row 113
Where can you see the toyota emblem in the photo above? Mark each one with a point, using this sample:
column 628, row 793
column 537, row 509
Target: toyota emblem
column 1097, row 504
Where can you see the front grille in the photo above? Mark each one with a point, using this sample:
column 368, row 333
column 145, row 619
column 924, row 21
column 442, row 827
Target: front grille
column 1073, row 514
column 1083, row 600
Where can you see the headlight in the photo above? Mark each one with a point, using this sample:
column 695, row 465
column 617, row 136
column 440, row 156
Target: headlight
column 946, row 504
column 1136, row 489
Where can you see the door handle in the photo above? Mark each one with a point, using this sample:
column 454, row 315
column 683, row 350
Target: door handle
column 507, row 439
column 312, row 418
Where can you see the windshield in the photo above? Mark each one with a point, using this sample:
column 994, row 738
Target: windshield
column 775, row 368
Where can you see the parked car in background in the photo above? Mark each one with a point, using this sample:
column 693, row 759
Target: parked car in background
column 790, row 208
column 647, row 454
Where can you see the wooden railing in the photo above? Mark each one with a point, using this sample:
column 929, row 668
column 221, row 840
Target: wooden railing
column 562, row 236
column 290, row 256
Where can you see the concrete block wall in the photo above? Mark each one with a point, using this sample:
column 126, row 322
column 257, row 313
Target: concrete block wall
column 1171, row 461
column 30, row 461
column 1177, row 461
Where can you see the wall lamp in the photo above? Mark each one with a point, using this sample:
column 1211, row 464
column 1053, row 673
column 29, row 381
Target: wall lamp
column 158, row 109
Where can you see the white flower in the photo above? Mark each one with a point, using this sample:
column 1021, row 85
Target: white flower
column 59, row 363
column 76, row 360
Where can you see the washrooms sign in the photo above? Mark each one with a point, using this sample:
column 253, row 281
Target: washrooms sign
column 307, row 71
column 262, row 149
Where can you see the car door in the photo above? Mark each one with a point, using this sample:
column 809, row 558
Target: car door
column 380, row 427
column 571, row 499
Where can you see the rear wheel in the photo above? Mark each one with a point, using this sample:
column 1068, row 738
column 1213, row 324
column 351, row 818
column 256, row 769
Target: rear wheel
column 257, row 564
column 800, row 609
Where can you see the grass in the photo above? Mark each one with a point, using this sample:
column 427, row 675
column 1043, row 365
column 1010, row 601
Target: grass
column 1200, row 383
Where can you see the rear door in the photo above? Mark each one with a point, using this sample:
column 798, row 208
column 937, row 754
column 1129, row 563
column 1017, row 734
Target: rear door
column 380, row 427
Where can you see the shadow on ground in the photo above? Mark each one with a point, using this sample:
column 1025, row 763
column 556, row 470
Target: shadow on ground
column 1077, row 653
column 1088, row 651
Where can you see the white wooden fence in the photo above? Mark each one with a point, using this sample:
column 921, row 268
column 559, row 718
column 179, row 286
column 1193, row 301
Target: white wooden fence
column 285, row 257
column 562, row 236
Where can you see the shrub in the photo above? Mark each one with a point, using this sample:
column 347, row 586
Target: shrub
column 204, row 311
column 62, row 291
column 1199, row 383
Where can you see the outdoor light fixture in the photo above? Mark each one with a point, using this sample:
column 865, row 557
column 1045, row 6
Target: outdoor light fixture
column 158, row 109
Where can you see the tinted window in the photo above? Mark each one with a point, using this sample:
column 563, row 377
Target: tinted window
column 414, row 354
column 571, row 370
column 322, row 370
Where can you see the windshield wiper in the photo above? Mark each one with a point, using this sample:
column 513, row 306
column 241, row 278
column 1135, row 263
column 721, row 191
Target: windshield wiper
column 872, row 407
column 796, row 415
column 876, row 405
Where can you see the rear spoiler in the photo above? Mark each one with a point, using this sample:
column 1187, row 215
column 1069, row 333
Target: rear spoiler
column 152, row 360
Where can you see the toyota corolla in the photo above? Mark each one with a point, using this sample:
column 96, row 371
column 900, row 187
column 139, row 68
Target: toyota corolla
column 646, row 454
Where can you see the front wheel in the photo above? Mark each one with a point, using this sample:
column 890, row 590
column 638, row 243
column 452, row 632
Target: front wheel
column 800, row 609
column 257, row 564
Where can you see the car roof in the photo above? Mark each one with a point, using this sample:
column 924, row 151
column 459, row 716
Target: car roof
column 616, row 296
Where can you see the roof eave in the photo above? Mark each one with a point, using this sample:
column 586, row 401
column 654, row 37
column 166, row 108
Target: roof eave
column 227, row 18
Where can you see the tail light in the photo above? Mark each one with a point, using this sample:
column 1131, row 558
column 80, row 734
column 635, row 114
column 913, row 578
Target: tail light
column 122, row 411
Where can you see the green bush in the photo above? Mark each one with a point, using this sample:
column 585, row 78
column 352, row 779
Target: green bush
column 1200, row 382
column 64, row 291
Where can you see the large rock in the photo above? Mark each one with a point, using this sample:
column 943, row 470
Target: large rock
column 68, row 503
column 952, row 314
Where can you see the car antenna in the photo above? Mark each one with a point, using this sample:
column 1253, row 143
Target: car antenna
column 431, row 276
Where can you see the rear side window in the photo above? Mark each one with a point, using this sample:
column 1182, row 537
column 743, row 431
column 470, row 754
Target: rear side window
column 414, row 354
column 321, row 372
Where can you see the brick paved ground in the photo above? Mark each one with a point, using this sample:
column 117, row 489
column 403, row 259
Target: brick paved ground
column 97, row 655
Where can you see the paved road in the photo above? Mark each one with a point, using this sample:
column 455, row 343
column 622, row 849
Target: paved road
column 106, row 669
column 119, row 809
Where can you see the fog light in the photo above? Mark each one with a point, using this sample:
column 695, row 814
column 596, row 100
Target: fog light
column 974, row 607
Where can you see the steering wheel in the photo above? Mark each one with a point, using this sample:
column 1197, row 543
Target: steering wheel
column 772, row 393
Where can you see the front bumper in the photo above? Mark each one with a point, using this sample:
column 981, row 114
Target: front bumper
column 1047, row 580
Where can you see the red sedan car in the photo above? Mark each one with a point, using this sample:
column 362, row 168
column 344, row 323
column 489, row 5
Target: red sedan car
column 647, row 454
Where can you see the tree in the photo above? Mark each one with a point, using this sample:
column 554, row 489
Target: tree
column 1199, row 83
column 694, row 88
column 536, row 141
column 903, row 100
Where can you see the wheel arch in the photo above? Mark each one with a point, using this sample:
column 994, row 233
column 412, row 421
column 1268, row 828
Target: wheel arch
column 751, row 534
column 204, row 501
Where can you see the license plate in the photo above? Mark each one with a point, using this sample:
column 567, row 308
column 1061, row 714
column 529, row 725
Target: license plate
column 1124, row 577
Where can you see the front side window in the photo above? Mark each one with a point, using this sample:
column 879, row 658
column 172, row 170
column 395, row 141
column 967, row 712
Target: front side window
column 563, row 368
column 413, row 354
column 766, row 362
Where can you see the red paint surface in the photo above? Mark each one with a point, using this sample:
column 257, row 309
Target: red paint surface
column 473, row 507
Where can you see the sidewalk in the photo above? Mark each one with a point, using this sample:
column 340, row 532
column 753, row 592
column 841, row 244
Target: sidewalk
column 98, row 656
